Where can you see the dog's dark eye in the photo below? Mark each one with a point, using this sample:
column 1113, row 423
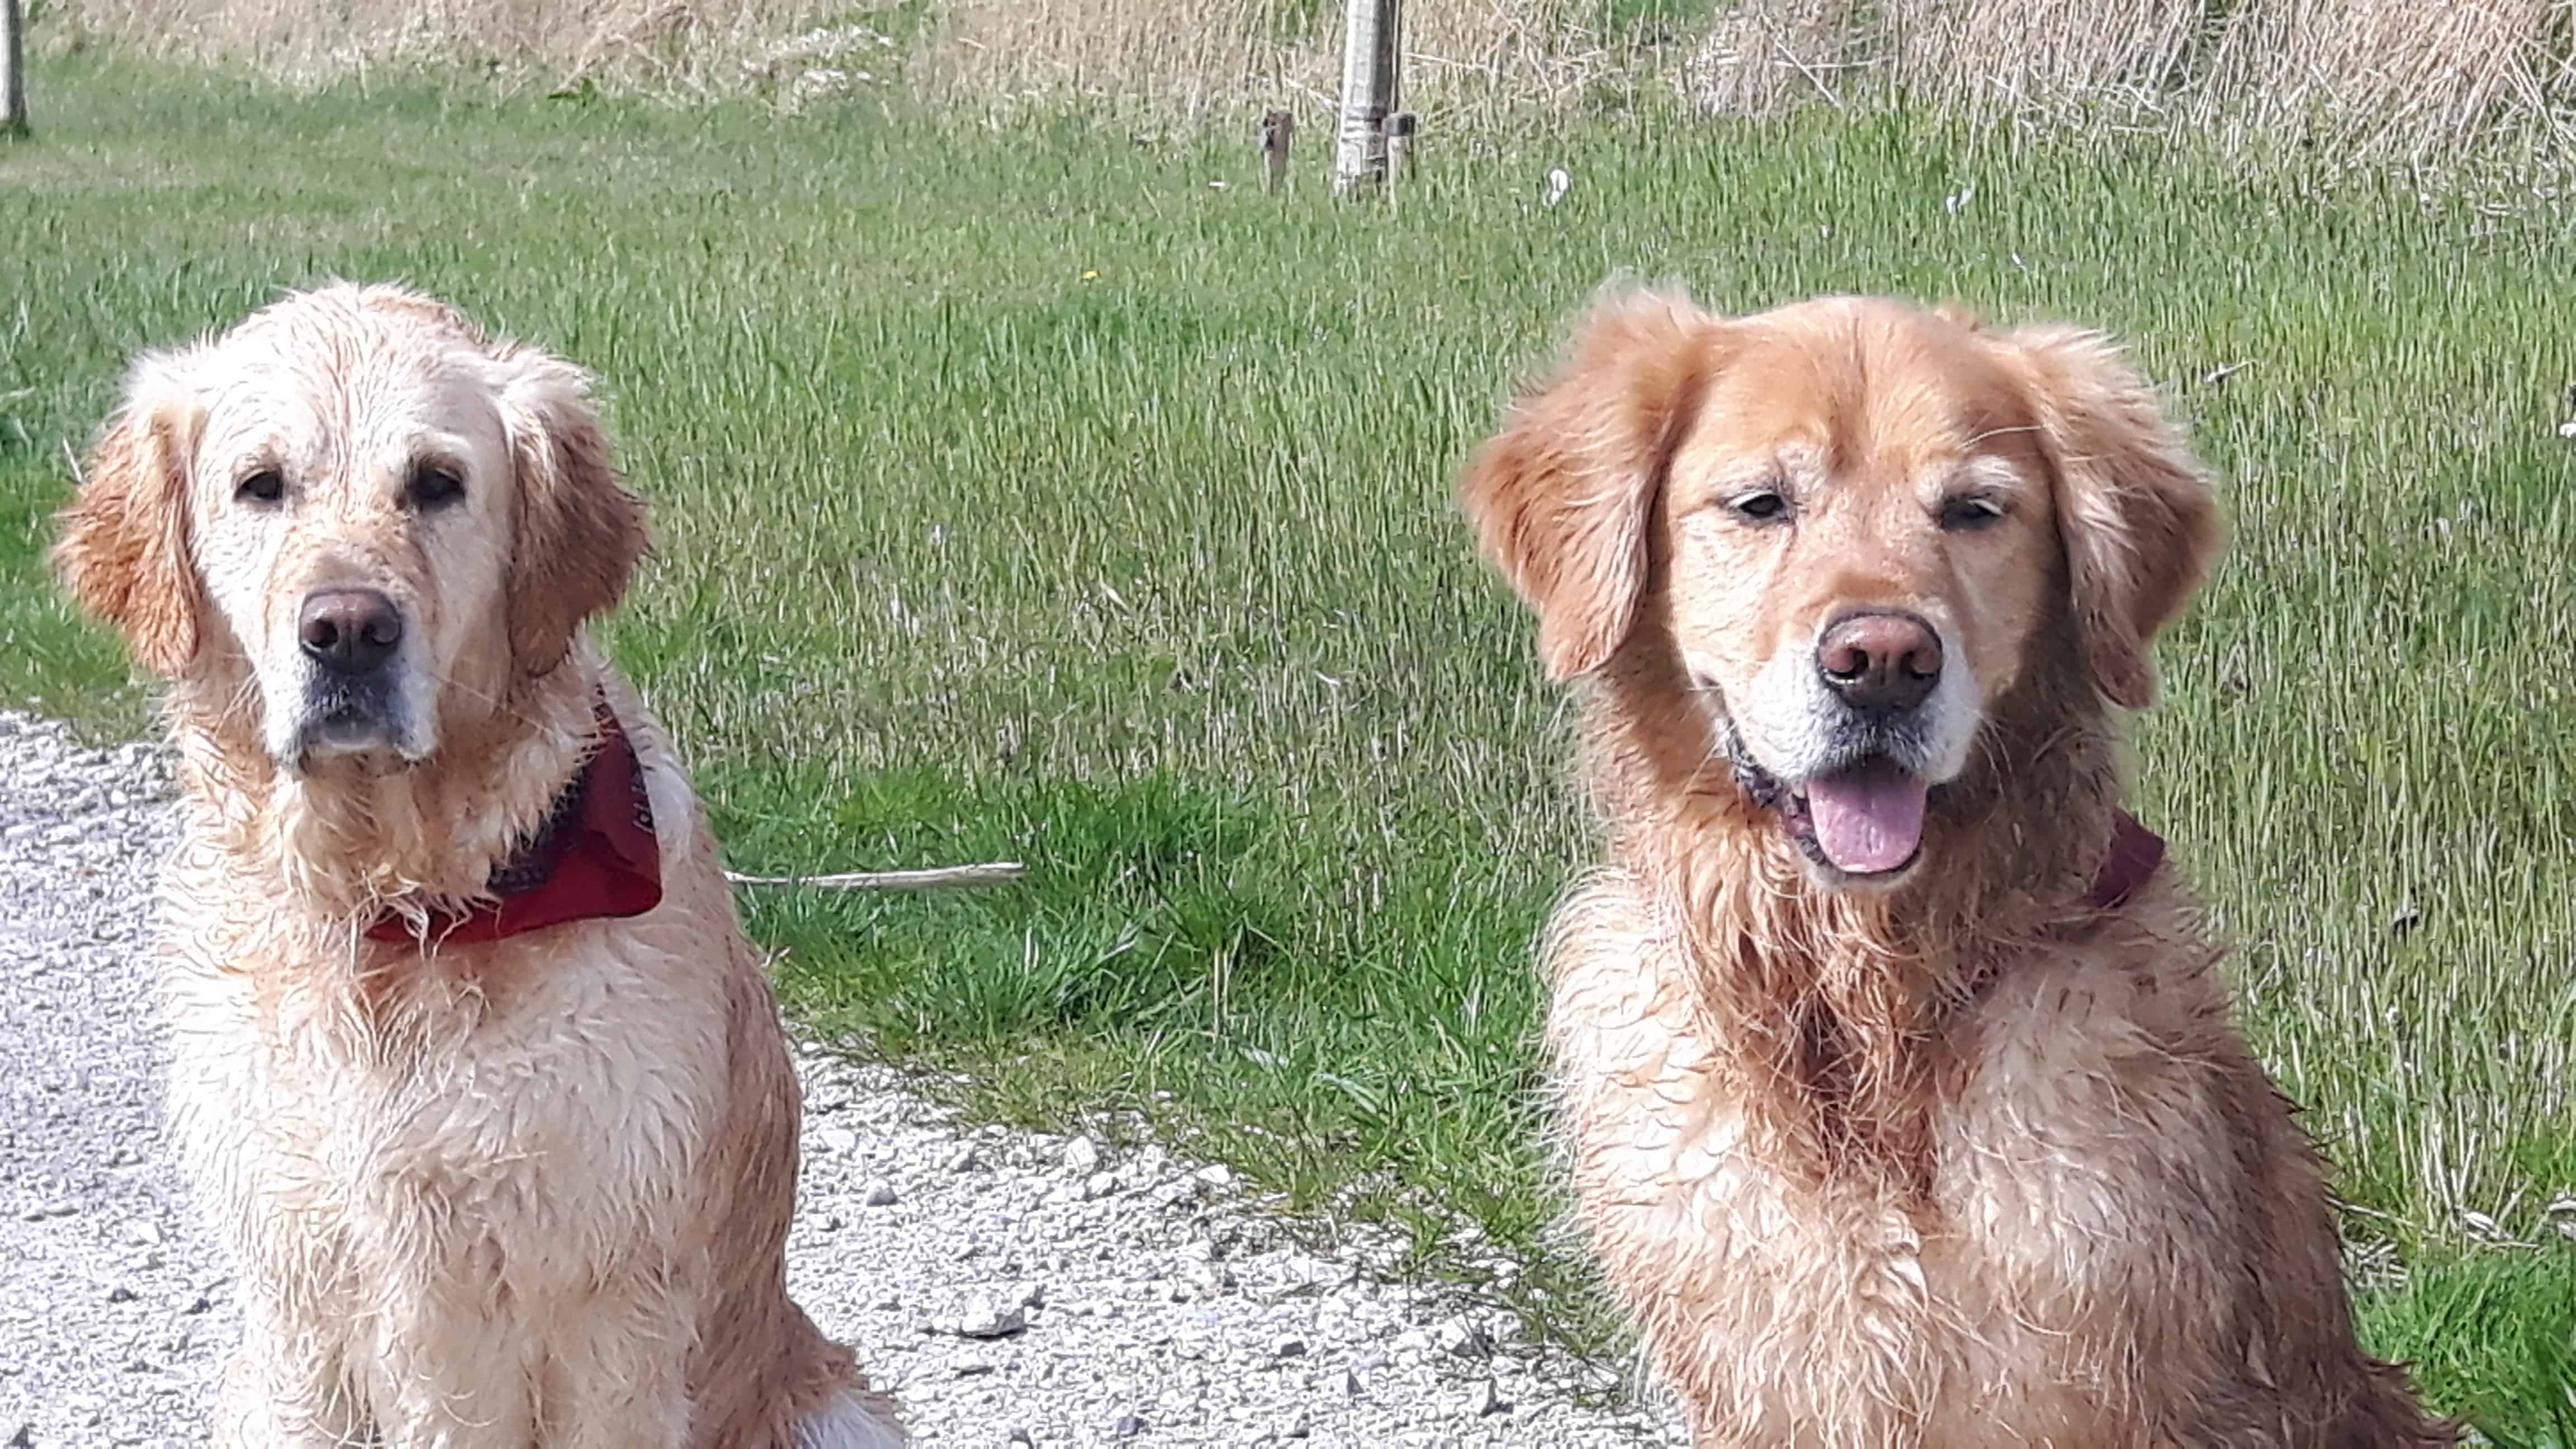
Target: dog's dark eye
column 265, row 488
column 1970, row 512
column 1759, row 506
column 434, row 486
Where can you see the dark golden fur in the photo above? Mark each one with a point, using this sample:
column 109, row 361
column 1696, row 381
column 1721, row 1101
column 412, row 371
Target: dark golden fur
column 1951, row 1155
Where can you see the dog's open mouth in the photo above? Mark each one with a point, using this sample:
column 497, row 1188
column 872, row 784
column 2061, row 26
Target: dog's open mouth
column 1863, row 819
column 346, row 719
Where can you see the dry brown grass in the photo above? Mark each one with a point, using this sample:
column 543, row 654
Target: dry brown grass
column 1764, row 56
column 678, row 48
column 2395, row 78
column 1188, row 58
column 2056, row 60
column 1237, row 57
column 2381, row 79
column 2405, row 79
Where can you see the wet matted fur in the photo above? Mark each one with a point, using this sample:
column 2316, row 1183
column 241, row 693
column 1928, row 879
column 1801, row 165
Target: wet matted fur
column 1883, row 1130
column 527, row 1192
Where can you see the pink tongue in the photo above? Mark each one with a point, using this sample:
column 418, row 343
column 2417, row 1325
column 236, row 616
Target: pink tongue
column 1867, row 820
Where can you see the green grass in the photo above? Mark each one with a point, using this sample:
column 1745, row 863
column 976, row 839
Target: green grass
column 2496, row 1332
column 1020, row 494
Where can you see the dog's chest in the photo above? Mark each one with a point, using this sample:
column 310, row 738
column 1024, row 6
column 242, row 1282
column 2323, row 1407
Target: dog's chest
column 442, row 1124
column 2071, row 1160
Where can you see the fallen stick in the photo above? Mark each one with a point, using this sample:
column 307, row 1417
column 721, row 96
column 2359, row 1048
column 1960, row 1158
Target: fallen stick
column 945, row 877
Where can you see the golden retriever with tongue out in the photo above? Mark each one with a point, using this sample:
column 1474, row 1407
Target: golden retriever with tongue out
column 1904, row 1105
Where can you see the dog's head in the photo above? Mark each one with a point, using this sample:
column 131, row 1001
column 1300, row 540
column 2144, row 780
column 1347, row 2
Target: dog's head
column 1851, row 523
column 360, row 512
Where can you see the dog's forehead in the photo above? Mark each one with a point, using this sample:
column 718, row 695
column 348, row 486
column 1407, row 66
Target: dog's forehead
column 378, row 386
column 353, row 308
column 1863, row 387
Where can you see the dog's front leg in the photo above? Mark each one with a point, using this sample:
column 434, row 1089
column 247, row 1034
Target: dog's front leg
column 453, row 1377
column 285, row 1389
column 617, row 1370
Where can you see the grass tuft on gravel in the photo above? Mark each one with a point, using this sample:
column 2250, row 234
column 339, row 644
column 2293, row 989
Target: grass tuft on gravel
column 1023, row 493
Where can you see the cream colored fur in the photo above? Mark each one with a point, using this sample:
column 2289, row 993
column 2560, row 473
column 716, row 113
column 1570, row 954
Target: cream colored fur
column 527, row 1193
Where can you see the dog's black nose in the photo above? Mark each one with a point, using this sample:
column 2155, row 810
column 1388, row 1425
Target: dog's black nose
column 1880, row 662
column 349, row 631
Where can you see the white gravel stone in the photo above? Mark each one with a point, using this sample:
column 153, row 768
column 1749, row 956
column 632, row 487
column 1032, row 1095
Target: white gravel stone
column 1153, row 1312
column 1463, row 1337
column 992, row 1320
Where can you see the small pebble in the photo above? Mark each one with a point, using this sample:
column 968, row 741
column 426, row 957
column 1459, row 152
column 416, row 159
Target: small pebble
column 991, row 1320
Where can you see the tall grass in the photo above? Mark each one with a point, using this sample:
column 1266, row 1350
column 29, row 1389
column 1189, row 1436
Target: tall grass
column 1160, row 60
column 2390, row 78
column 1236, row 57
column 2358, row 80
column 2355, row 80
column 677, row 49
column 1023, row 493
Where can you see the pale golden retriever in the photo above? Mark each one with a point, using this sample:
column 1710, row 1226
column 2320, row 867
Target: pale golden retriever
column 474, row 1067
column 1904, row 1106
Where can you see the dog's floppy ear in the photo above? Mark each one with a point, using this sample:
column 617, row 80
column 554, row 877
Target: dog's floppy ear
column 1561, row 497
column 2134, row 509
column 579, row 532
column 122, row 550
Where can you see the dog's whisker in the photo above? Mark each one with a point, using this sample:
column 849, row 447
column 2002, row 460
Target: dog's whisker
column 514, row 715
column 1988, row 435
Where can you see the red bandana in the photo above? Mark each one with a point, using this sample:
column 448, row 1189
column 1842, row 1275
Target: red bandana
column 2136, row 851
column 594, row 857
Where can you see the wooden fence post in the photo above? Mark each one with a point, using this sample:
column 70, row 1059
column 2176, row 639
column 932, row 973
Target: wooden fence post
column 1369, row 60
column 1276, row 128
column 13, row 68
column 1399, row 146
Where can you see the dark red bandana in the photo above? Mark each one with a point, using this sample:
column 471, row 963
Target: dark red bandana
column 2136, row 851
column 594, row 857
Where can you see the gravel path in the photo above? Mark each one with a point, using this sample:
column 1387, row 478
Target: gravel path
column 1011, row 1288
